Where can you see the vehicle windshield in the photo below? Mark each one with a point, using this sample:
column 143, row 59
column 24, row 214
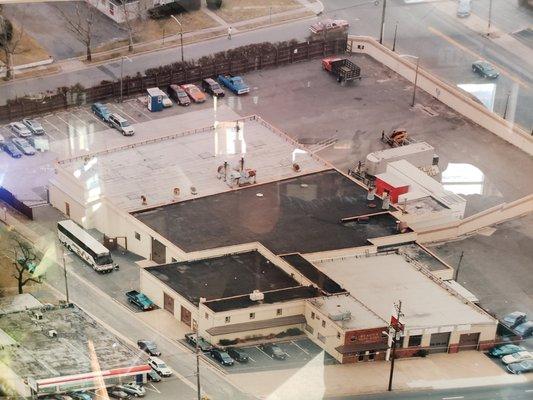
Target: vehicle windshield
column 124, row 124
column 162, row 365
column 182, row 94
column 104, row 259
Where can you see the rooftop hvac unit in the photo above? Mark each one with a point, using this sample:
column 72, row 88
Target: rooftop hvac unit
column 38, row 315
column 341, row 316
column 52, row 333
column 256, row 295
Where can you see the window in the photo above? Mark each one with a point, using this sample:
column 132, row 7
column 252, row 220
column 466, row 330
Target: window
column 227, row 320
column 252, row 315
column 338, row 335
column 322, row 338
column 309, row 329
column 206, row 316
column 137, row 236
column 312, row 315
column 323, row 324
column 352, row 338
column 279, row 311
column 415, row 340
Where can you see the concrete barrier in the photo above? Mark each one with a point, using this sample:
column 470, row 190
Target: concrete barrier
column 446, row 93
column 474, row 223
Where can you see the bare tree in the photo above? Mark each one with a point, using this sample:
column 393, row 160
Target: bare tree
column 25, row 263
column 10, row 39
column 81, row 24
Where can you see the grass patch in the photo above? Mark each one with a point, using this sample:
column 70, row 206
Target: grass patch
column 28, row 50
column 240, row 10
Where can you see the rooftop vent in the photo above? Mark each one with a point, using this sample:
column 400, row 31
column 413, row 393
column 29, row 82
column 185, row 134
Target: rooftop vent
column 52, row 333
column 38, row 315
column 341, row 316
column 256, row 295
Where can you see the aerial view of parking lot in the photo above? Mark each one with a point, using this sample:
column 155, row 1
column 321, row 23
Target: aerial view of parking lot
column 282, row 200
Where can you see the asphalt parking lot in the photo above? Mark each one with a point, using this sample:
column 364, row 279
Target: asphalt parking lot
column 299, row 352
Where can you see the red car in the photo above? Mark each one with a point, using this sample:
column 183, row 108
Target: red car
column 327, row 25
column 194, row 93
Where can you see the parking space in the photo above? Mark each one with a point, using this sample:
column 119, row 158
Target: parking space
column 299, row 352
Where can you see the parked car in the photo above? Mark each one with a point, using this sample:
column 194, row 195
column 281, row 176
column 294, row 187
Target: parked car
column 35, row 127
column 514, row 319
column 153, row 376
column 203, row 344
column 485, row 69
column 24, row 146
column 525, row 329
column 159, row 366
column 118, row 394
column 179, row 95
column 132, row 388
column 140, row 300
column 234, row 83
column 39, row 143
column 194, row 93
column 212, row 87
column 505, row 350
column 11, row 149
column 238, row 355
column 520, row 367
column 2, row 140
column 19, row 129
column 121, row 124
column 463, row 8
column 222, row 357
column 274, row 351
column 517, row 357
column 80, row 396
column 149, row 347
column 101, row 111
column 166, row 100
column 328, row 25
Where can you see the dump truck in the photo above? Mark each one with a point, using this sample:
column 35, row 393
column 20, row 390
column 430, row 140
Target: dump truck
column 140, row 300
column 342, row 69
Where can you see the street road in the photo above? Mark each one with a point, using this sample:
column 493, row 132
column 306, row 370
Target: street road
column 507, row 392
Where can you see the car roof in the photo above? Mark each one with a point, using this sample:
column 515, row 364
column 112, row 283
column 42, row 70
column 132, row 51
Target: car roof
column 156, row 360
column 515, row 314
column 211, row 81
column 118, row 117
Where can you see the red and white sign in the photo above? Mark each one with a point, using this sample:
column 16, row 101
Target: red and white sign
column 397, row 325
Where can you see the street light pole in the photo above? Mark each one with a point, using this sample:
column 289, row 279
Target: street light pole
column 122, row 73
column 490, row 17
column 459, row 265
column 395, row 33
column 65, row 274
column 382, row 22
column 416, row 82
column 181, row 36
column 506, row 105
column 396, row 327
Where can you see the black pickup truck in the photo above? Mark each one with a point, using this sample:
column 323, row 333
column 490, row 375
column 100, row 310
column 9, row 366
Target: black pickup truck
column 342, row 69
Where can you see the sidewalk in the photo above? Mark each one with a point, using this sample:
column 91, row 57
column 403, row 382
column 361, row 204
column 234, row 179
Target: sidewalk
column 438, row 371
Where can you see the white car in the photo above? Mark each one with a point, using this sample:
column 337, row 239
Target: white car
column 24, row 146
column 159, row 366
column 35, row 127
column 19, row 129
column 517, row 357
column 132, row 388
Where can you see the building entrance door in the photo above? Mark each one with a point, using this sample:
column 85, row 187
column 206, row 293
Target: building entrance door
column 168, row 303
column 159, row 252
column 185, row 316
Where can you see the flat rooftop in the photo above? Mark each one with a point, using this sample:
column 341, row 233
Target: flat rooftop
column 348, row 313
column 226, row 276
column 424, row 302
column 154, row 167
column 295, row 215
column 37, row 355
column 312, row 273
column 423, row 256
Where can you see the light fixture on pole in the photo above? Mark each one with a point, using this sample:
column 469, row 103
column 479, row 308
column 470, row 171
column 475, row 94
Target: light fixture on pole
column 181, row 36
column 65, row 275
column 122, row 73
column 416, row 75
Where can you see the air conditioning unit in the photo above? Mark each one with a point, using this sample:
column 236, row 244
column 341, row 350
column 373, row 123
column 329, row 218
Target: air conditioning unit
column 52, row 333
column 341, row 316
column 256, row 295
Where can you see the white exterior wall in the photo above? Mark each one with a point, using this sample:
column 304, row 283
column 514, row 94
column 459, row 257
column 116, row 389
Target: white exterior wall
column 486, row 333
column 331, row 341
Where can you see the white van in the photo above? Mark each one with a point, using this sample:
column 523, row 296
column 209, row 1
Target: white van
column 463, row 8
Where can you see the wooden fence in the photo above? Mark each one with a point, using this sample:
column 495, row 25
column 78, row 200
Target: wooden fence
column 23, row 107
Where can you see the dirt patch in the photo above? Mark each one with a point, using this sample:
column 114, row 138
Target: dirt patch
column 240, row 10
column 28, row 50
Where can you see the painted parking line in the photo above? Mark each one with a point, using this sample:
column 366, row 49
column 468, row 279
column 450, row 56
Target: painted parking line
column 263, row 352
column 54, row 129
column 96, row 118
column 152, row 388
column 301, row 348
column 251, row 359
column 123, row 112
column 140, row 109
column 72, row 126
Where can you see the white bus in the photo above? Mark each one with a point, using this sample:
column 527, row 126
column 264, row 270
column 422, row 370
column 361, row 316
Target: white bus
column 84, row 245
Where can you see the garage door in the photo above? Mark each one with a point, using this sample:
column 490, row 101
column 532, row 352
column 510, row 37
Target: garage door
column 168, row 303
column 159, row 252
column 439, row 342
column 185, row 316
column 468, row 341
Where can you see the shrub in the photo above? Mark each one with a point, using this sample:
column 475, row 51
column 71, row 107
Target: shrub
column 6, row 30
column 228, row 342
column 421, row 353
column 294, row 332
column 214, row 4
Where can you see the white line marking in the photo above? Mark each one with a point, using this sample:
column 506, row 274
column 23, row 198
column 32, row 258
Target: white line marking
column 72, row 126
column 251, row 359
column 123, row 112
column 296, row 344
column 96, row 118
column 264, row 353
column 56, row 128
column 529, row 390
column 452, row 398
column 140, row 109
column 75, row 116
column 153, row 388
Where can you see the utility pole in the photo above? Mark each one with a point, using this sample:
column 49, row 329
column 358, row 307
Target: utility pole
column 382, row 22
column 395, row 33
column 459, row 265
column 198, row 387
column 416, row 81
column 396, row 325
column 506, row 105
column 122, row 72
column 65, row 274
column 490, row 17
